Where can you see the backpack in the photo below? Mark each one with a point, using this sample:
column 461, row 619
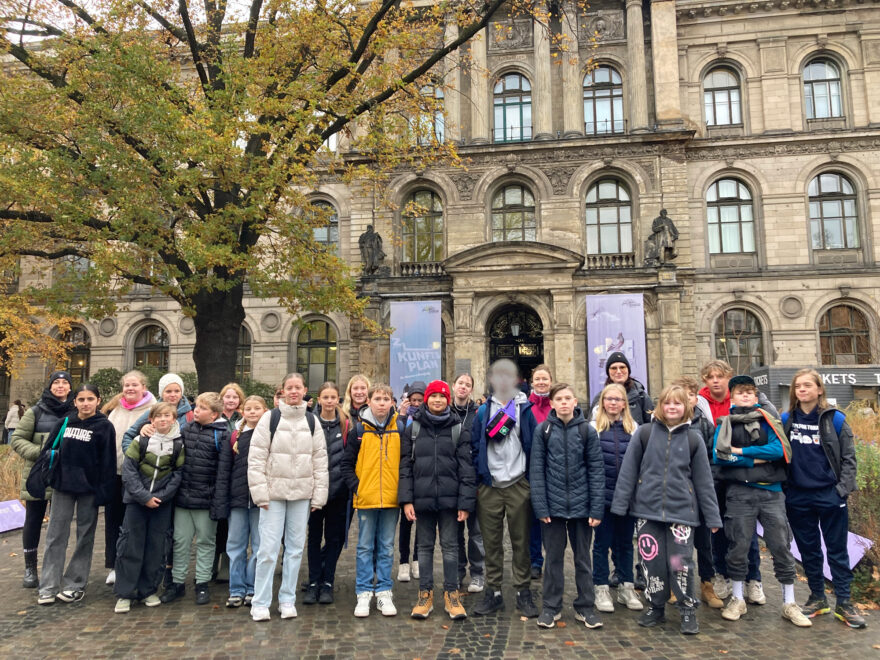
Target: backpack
column 694, row 440
column 275, row 420
column 175, row 451
column 416, row 426
column 582, row 428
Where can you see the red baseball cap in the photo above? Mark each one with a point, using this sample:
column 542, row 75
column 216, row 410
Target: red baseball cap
column 438, row 387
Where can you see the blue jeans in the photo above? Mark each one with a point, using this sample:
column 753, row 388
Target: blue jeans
column 615, row 534
column 244, row 526
column 376, row 528
column 288, row 519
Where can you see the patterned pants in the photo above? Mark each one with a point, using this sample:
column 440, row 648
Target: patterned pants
column 666, row 552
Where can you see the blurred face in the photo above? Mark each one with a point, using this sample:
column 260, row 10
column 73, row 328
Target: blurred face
column 133, row 389
column 618, row 372
column 504, row 381
column 86, row 403
column 380, row 404
column 673, row 410
column 359, row 391
column 329, row 399
column 162, row 421
column 172, row 394
column 293, row 391
column 807, row 391
column 437, row 403
column 717, row 384
column 613, row 404
column 60, row 388
column 277, row 398
column 541, row 382
column 745, row 398
column 231, row 401
column 564, row 403
column 416, row 399
column 252, row 413
column 203, row 414
column 462, row 388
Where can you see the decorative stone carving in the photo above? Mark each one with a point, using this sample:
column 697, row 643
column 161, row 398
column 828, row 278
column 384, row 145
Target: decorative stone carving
column 822, row 147
column 107, row 327
column 513, row 34
column 271, row 321
column 559, row 177
column 604, row 25
column 791, row 307
column 753, row 7
column 186, row 325
column 372, row 254
column 465, row 183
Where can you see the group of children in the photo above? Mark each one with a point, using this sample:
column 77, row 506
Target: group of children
column 693, row 473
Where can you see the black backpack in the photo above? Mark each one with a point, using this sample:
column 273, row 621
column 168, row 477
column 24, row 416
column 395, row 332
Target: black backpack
column 416, row 427
column 275, row 420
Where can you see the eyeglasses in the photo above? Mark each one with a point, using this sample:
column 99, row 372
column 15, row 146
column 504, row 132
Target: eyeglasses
column 613, row 399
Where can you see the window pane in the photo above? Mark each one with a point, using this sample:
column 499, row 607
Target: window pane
column 833, row 232
column 607, row 189
column 748, row 237
column 608, row 214
column 608, row 239
column 626, row 238
column 727, row 188
column 714, row 240
column 592, row 214
column 730, row 237
column 852, row 234
column 593, row 240
column 816, row 234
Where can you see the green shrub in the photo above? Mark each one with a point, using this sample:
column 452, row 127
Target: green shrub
column 107, row 382
column 255, row 387
column 190, row 382
column 864, row 504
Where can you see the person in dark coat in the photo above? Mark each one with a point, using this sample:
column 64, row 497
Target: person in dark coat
column 437, row 489
column 618, row 370
column 567, row 476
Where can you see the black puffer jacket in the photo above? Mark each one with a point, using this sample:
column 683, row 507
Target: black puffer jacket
column 614, row 440
column 239, row 493
column 640, row 404
column 206, row 468
column 436, row 474
column 335, row 435
column 567, row 473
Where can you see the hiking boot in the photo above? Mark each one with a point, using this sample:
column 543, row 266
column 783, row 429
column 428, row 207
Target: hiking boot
column 362, row 609
column 848, row 614
column 71, row 595
column 755, row 592
column 721, row 585
column 734, row 609
column 707, row 593
column 626, row 595
column 312, row 594
column 123, row 605
column 548, row 619
column 653, row 616
column 603, row 598
column 478, row 583
column 536, row 572
column 31, row 578
column 203, row 596
column 525, row 604
column 424, row 606
column 793, row 613
column 152, row 600
column 492, row 603
column 403, row 573
column 326, row 595
column 172, row 593
column 385, row 603
column 588, row 617
column 816, row 606
column 453, row 606
column 689, row 625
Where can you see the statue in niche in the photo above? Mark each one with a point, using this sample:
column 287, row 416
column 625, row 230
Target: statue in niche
column 370, row 244
column 660, row 247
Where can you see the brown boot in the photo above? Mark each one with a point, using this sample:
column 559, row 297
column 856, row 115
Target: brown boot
column 424, row 606
column 707, row 593
column 452, row 601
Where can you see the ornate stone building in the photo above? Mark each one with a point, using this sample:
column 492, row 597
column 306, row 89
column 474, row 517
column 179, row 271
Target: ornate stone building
column 756, row 124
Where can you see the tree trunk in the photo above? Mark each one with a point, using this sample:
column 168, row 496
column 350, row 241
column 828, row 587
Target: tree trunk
column 218, row 318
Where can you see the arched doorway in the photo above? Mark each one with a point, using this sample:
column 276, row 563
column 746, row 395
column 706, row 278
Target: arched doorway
column 516, row 332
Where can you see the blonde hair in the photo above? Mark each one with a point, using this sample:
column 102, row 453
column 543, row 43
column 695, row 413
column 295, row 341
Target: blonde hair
column 255, row 398
column 380, row 388
column 603, row 422
column 134, row 373
column 687, row 382
column 357, row 378
column 822, row 404
column 235, row 387
column 676, row 393
column 111, row 405
column 716, row 365
column 163, row 407
column 211, row 401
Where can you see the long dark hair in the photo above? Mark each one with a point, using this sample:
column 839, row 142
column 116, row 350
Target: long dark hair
column 20, row 405
column 87, row 387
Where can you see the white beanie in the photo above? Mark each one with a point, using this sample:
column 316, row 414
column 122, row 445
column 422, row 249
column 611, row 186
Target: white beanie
column 169, row 379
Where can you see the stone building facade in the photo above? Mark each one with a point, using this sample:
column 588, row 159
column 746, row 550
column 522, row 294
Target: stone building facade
column 755, row 124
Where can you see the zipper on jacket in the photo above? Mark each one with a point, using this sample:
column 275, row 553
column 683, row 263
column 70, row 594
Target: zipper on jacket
column 666, row 474
column 567, row 479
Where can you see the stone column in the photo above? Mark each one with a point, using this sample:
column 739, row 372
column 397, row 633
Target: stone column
column 479, row 89
column 664, row 50
column 572, row 81
column 564, row 369
column 452, row 93
column 777, row 103
column 669, row 308
column 637, row 82
column 871, row 58
column 542, row 93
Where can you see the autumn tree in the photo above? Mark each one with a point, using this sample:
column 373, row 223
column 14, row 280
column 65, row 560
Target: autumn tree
column 159, row 143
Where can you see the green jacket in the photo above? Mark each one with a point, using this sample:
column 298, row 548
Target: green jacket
column 28, row 442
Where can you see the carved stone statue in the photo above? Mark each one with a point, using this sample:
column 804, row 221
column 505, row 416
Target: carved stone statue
column 370, row 243
column 660, row 246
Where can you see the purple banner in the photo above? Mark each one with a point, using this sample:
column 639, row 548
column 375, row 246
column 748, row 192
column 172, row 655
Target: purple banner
column 415, row 343
column 11, row 515
column 615, row 322
column 856, row 545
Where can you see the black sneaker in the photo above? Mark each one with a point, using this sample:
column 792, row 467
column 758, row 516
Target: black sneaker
column 172, row 593
column 326, row 595
column 653, row 616
column 312, row 594
column 71, row 595
column 203, row 596
column 848, row 614
column 525, row 604
column 689, row 625
column 589, row 617
column 548, row 619
column 491, row 604
column 536, row 572
column 816, row 606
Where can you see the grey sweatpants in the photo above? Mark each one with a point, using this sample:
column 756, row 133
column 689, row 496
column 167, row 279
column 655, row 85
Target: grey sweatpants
column 64, row 505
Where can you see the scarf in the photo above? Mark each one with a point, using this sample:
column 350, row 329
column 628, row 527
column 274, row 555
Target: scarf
column 148, row 398
column 55, row 405
column 752, row 421
column 437, row 420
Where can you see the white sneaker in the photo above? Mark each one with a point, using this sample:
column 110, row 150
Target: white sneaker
column 721, row 585
column 415, row 570
column 288, row 610
column 123, row 605
column 755, row 592
column 260, row 614
column 362, row 609
column 111, row 578
column 626, row 595
column 152, row 601
column 603, row 598
column 477, row 584
column 734, row 609
column 793, row 613
column 385, row 603
column 403, row 574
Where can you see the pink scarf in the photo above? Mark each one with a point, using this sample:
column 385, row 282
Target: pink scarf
column 540, row 406
column 148, row 398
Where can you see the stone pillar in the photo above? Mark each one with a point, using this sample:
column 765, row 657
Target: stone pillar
column 664, row 51
column 572, row 81
column 871, row 58
column 669, row 308
column 637, row 82
column 452, row 93
column 542, row 93
column 479, row 89
column 777, row 104
column 564, row 370
column 469, row 342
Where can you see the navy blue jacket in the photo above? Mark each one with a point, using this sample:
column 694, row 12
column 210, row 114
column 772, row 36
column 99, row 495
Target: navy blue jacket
column 335, row 432
column 207, row 467
column 614, row 440
column 478, row 439
column 838, row 446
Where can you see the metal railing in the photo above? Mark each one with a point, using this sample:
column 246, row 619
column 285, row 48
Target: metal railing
column 512, row 134
column 605, row 127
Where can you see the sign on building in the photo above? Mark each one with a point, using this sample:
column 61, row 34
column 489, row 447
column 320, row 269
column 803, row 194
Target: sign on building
column 415, row 343
column 615, row 322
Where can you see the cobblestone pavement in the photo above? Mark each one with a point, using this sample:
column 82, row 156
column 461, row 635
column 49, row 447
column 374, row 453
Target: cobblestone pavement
column 90, row 629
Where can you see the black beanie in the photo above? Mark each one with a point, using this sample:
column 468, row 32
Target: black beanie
column 60, row 375
column 614, row 358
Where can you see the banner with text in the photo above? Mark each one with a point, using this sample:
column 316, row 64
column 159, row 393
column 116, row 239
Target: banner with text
column 615, row 322
column 415, row 343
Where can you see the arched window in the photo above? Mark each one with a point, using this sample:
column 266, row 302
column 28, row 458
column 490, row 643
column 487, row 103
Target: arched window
column 422, row 222
column 243, row 370
column 513, row 214
column 603, row 101
column 79, row 354
column 316, row 354
column 730, row 217
column 739, row 339
column 151, row 347
column 844, row 336
column 721, row 97
column 833, row 216
column 609, row 218
column 326, row 231
column 822, row 97
column 512, row 98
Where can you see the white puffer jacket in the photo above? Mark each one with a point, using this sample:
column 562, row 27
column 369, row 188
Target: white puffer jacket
column 294, row 467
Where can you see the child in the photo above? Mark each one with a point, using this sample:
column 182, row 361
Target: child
column 356, row 396
column 85, row 478
column 287, row 473
column 244, row 515
column 371, row 468
column 203, row 496
column 822, row 475
column 329, row 523
column 501, row 440
column 615, row 426
column 665, row 482
column 151, row 474
column 539, row 397
column 438, row 490
column 567, row 481
column 753, row 452
column 414, row 396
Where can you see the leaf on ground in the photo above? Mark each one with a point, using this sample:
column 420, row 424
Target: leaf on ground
column 569, row 642
column 870, row 605
column 13, row 554
column 524, row 618
column 561, row 624
column 487, row 635
column 455, row 651
column 22, row 612
column 801, row 578
column 876, row 646
column 216, row 607
column 445, row 627
column 724, row 651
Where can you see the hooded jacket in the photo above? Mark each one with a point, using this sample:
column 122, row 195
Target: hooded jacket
column 87, row 458
column 525, row 422
column 184, row 411
column 613, row 441
column 335, row 437
column 155, row 476
column 714, row 410
column 371, row 463
column 292, row 465
column 567, row 473
column 640, row 404
column 436, row 473
column 239, row 490
column 839, row 448
column 122, row 419
column 206, row 470
column 665, row 483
